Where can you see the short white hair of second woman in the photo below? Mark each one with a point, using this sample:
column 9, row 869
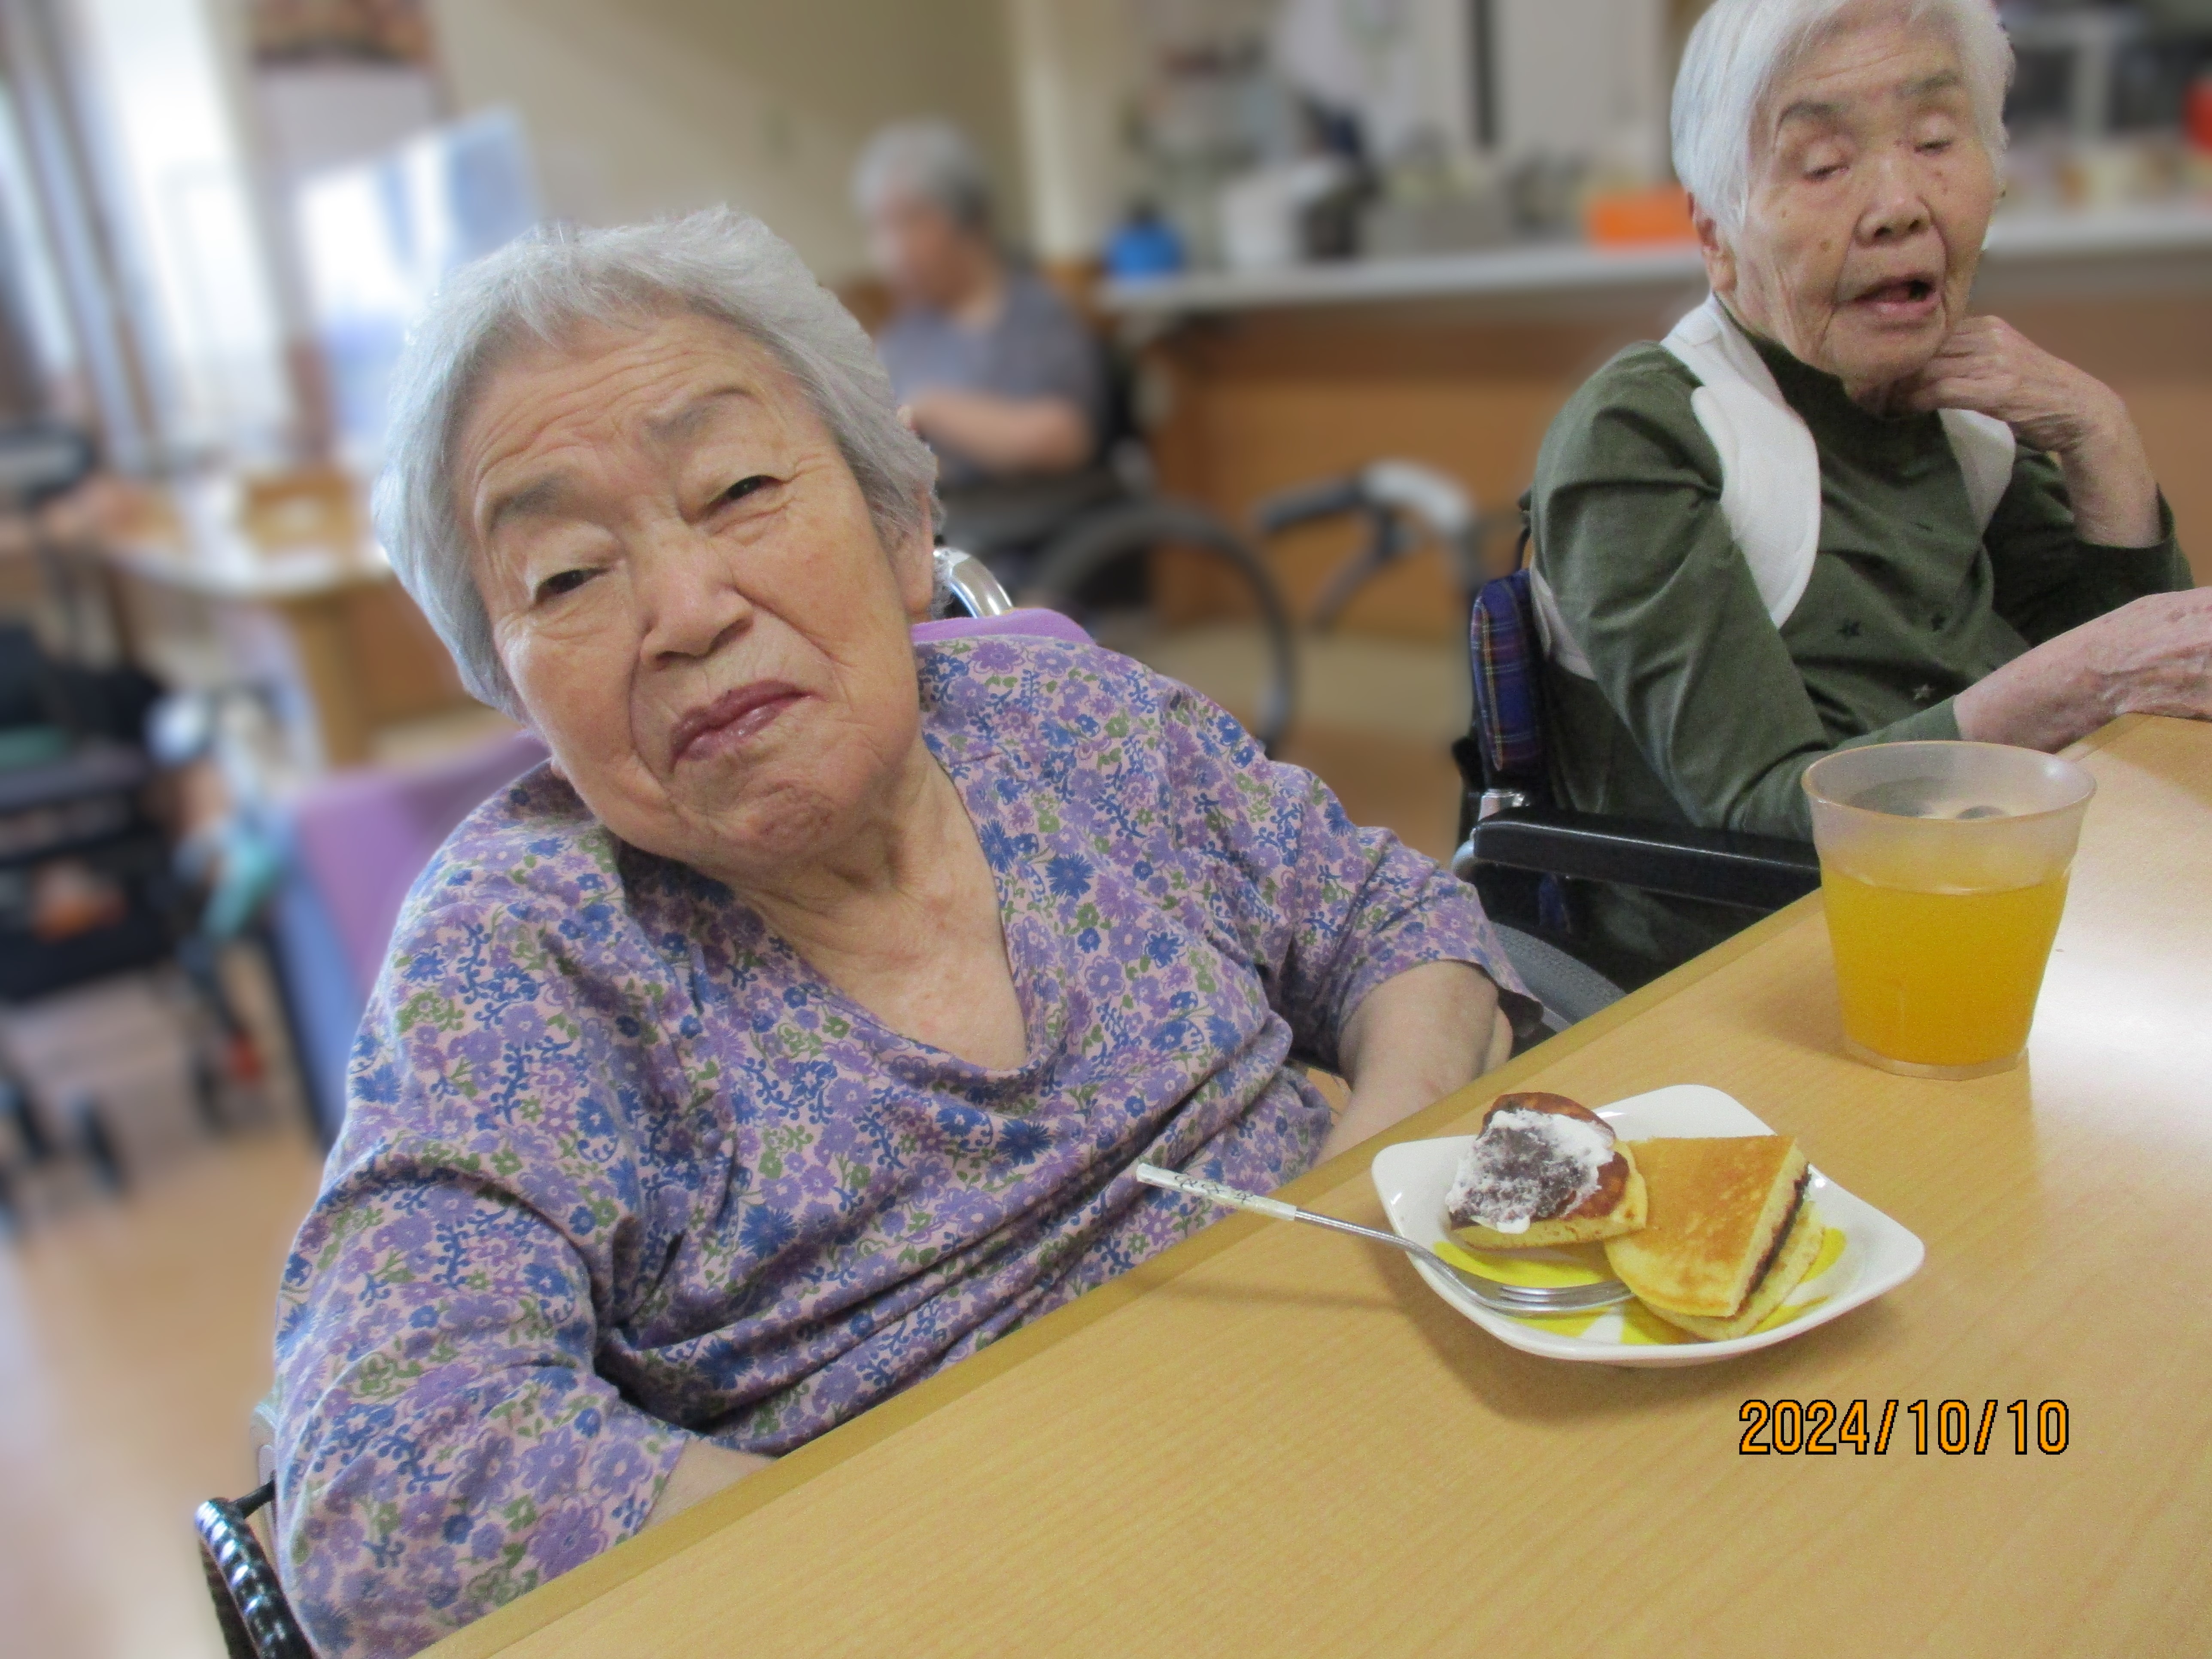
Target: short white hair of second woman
column 539, row 290
column 926, row 160
column 1740, row 50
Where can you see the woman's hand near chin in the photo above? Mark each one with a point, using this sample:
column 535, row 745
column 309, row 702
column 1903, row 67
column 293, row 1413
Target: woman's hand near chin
column 1416, row 1037
column 1990, row 367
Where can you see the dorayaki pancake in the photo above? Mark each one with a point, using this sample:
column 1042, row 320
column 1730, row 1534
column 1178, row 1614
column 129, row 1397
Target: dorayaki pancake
column 1565, row 1207
column 1716, row 1213
column 1800, row 1248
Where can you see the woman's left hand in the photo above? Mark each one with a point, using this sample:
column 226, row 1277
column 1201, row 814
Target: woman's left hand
column 1990, row 367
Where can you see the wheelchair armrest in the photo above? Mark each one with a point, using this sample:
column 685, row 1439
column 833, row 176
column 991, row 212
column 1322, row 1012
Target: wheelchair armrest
column 249, row 1597
column 261, row 1438
column 1759, row 872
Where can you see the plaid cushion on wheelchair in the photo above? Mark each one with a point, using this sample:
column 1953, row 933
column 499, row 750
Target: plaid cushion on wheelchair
column 1507, row 658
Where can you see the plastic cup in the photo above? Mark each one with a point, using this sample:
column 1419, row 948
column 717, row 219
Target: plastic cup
column 1943, row 867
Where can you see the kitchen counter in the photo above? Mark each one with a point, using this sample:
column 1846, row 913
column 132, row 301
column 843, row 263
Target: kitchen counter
column 1258, row 381
column 2128, row 248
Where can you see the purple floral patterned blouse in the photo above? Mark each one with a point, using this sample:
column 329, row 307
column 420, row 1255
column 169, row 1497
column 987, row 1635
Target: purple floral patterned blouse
column 618, row 1168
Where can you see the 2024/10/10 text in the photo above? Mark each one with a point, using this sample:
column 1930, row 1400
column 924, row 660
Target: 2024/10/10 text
column 1818, row 1429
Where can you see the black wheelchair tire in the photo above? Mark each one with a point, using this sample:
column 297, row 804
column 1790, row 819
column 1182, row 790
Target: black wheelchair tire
column 1100, row 540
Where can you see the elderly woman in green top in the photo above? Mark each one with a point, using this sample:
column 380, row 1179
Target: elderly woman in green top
column 1833, row 508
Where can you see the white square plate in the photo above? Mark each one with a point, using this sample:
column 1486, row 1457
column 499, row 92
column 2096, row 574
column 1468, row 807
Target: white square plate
column 1876, row 1253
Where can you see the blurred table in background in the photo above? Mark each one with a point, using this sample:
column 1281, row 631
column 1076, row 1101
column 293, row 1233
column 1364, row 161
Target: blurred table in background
column 1276, row 1440
column 276, row 581
column 1259, row 380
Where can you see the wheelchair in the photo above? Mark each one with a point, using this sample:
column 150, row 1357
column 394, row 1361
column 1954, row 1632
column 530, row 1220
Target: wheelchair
column 89, row 886
column 256, row 1620
column 1521, row 847
column 1082, row 544
column 1084, row 549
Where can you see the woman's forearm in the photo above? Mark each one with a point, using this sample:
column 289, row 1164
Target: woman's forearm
column 2044, row 699
column 2109, row 483
column 1416, row 1037
column 1006, row 435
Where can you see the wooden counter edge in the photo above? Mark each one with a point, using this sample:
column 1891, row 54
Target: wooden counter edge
column 555, row 1599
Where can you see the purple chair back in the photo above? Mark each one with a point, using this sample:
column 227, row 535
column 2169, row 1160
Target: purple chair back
column 1049, row 623
column 362, row 837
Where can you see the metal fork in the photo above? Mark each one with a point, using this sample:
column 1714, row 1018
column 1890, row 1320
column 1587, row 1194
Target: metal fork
column 1493, row 1294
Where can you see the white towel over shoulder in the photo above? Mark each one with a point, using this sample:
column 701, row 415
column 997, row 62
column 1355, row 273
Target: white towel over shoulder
column 1771, row 468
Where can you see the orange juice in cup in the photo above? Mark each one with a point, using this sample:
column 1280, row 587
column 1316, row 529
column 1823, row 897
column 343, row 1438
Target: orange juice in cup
column 1943, row 868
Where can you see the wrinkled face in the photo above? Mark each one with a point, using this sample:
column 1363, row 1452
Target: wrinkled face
column 687, row 590
column 923, row 254
column 1870, row 192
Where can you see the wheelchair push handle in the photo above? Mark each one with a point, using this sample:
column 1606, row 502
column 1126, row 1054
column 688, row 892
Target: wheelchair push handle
column 1404, row 504
column 1332, row 498
column 1437, row 498
column 1440, row 502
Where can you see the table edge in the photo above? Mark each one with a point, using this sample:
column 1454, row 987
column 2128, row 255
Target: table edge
column 164, row 567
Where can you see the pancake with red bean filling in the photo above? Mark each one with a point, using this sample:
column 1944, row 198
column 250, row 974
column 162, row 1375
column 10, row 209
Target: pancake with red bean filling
column 1545, row 1170
column 1730, row 1234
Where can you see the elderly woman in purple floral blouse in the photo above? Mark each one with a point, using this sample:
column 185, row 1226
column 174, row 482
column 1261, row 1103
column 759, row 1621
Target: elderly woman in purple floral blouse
column 791, row 1035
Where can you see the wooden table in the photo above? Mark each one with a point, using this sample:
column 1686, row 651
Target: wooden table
column 1276, row 1441
column 200, row 599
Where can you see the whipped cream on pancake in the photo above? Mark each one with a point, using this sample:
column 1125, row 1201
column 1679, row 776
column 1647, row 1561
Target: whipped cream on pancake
column 1526, row 1166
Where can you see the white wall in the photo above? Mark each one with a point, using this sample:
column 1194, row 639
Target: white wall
column 316, row 116
column 1583, row 77
column 640, row 107
column 1076, row 68
column 1445, row 31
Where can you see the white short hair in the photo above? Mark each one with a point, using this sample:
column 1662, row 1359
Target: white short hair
column 717, row 263
column 1740, row 50
column 927, row 160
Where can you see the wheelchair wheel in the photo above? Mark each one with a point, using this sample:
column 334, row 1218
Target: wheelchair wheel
column 1109, row 544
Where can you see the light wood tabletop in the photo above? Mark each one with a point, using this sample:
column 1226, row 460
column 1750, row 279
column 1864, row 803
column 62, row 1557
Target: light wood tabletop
column 1274, row 1439
column 276, row 581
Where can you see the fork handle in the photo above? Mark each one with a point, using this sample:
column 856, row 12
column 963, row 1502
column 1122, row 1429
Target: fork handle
column 1497, row 1298
column 1236, row 1198
column 1214, row 1192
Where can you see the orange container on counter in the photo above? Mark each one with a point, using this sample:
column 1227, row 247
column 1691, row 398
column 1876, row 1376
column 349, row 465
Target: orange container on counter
column 1627, row 218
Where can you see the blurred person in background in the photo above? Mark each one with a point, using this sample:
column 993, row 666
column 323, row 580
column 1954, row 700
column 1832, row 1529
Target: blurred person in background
column 1972, row 543
column 792, row 1034
column 994, row 369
